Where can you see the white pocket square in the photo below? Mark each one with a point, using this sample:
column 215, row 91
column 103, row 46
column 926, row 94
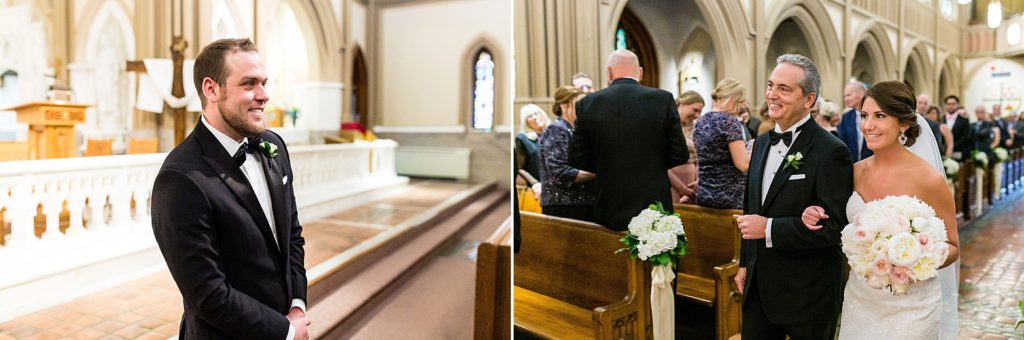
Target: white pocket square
column 797, row 176
column 284, row 180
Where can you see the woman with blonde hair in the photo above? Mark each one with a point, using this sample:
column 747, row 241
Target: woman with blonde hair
column 721, row 147
column 566, row 191
column 683, row 178
column 532, row 122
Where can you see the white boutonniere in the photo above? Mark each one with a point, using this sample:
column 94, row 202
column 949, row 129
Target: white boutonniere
column 794, row 161
column 269, row 148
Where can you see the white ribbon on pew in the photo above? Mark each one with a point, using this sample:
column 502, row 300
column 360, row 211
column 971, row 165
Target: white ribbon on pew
column 663, row 312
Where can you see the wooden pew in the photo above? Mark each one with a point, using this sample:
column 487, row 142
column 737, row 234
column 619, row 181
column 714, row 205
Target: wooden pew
column 706, row 274
column 569, row 284
column 493, row 309
column 971, row 189
column 959, row 194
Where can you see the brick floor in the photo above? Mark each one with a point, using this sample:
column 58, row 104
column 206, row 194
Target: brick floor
column 150, row 307
column 992, row 273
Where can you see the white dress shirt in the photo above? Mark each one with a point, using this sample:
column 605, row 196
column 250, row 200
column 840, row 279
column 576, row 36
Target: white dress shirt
column 776, row 154
column 253, row 171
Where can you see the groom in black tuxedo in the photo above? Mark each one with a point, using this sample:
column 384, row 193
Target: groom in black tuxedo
column 224, row 211
column 629, row 135
column 792, row 276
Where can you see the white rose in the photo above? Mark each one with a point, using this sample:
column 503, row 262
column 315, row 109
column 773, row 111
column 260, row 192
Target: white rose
column 904, row 249
column 669, row 224
column 919, row 223
column 925, row 268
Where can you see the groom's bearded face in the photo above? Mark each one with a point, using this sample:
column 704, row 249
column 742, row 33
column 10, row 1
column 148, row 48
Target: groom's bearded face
column 786, row 99
column 244, row 93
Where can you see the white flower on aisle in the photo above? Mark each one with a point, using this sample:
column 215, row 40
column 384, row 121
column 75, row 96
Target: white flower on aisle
column 952, row 167
column 657, row 237
column 1001, row 154
column 895, row 242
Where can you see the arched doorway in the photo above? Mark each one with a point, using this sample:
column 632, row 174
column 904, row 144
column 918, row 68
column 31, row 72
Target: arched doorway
column 631, row 34
column 788, row 38
column 360, row 89
column 916, row 71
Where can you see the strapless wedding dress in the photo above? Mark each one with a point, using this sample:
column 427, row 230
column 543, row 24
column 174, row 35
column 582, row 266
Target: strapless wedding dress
column 870, row 313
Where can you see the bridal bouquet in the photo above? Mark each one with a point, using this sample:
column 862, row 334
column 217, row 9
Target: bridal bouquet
column 657, row 237
column 895, row 242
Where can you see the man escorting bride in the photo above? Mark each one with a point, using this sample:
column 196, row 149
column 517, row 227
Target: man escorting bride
column 890, row 125
column 802, row 191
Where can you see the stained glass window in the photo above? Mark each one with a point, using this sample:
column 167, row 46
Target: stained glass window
column 483, row 91
column 620, row 39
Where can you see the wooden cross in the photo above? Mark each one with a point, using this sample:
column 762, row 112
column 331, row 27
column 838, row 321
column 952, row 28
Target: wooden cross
column 178, row 47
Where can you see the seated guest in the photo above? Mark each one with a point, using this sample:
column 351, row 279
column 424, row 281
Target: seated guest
column 683, row 178
column 532, row 122
column 566, row 191
column 723, row 154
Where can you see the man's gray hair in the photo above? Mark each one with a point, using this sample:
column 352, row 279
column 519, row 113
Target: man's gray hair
column 812, row 79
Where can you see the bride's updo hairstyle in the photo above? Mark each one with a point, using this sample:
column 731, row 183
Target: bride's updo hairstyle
column 897, row 99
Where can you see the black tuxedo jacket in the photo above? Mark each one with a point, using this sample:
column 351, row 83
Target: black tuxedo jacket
column 236, row 280
column 799, row 279
column 629, row 135
column 963, row 136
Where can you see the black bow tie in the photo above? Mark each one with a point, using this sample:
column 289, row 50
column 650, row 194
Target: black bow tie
column 785, row 137
column 249, row 146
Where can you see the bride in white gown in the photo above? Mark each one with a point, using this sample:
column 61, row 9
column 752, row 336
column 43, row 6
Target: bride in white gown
column 888, row 125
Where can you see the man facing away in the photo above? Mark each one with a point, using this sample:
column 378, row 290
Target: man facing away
column 224, row 211
column 629, row 135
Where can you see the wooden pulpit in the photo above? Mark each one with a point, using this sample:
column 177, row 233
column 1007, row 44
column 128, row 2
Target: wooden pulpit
column 51, row 127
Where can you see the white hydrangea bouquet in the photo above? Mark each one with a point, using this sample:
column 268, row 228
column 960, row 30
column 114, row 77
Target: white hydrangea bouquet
column 1001, row 154
column 657, row 237
column 952, row 167
column 894, row 242
column 980, row 158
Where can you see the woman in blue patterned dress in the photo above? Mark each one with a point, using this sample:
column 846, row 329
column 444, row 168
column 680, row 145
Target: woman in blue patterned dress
column 721, row 148
column 566, row 192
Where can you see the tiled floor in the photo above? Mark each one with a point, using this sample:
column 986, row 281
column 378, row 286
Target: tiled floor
column 150, row 308
column 992, row 273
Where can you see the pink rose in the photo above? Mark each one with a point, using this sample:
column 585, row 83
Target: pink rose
column 900, row 275
column 923, row 238
column 882, row 266
column 874, row 281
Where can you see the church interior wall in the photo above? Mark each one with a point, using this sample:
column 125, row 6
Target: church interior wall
column 993, row 80
column 420, row 53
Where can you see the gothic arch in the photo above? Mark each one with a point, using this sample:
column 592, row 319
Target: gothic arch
column 876, row 43
column 819, row 31
column 323, row 37
column 221, row 13
column 923, row 74
column 728, row 33
column 502, row 65
column 949, row 78
column 95, row 15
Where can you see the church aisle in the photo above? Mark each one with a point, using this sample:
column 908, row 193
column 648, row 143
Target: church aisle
column 437, row 302
column 992, row 273
column 150, row 307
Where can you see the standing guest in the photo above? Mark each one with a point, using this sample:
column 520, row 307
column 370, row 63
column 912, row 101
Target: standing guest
column 684, row 177
column 628, row 135
column 923, row 102
column 829, row 113
column 1005, row 140
column 963, row 139
column 224, row 213
column 754, row 123
column 567, row 192
column 1016, row 128
column 533, row 121
column 849, row 126
column 986, row 134
column 745, row 121
column 721, row 148
column 946, row 144
column 583, row 82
